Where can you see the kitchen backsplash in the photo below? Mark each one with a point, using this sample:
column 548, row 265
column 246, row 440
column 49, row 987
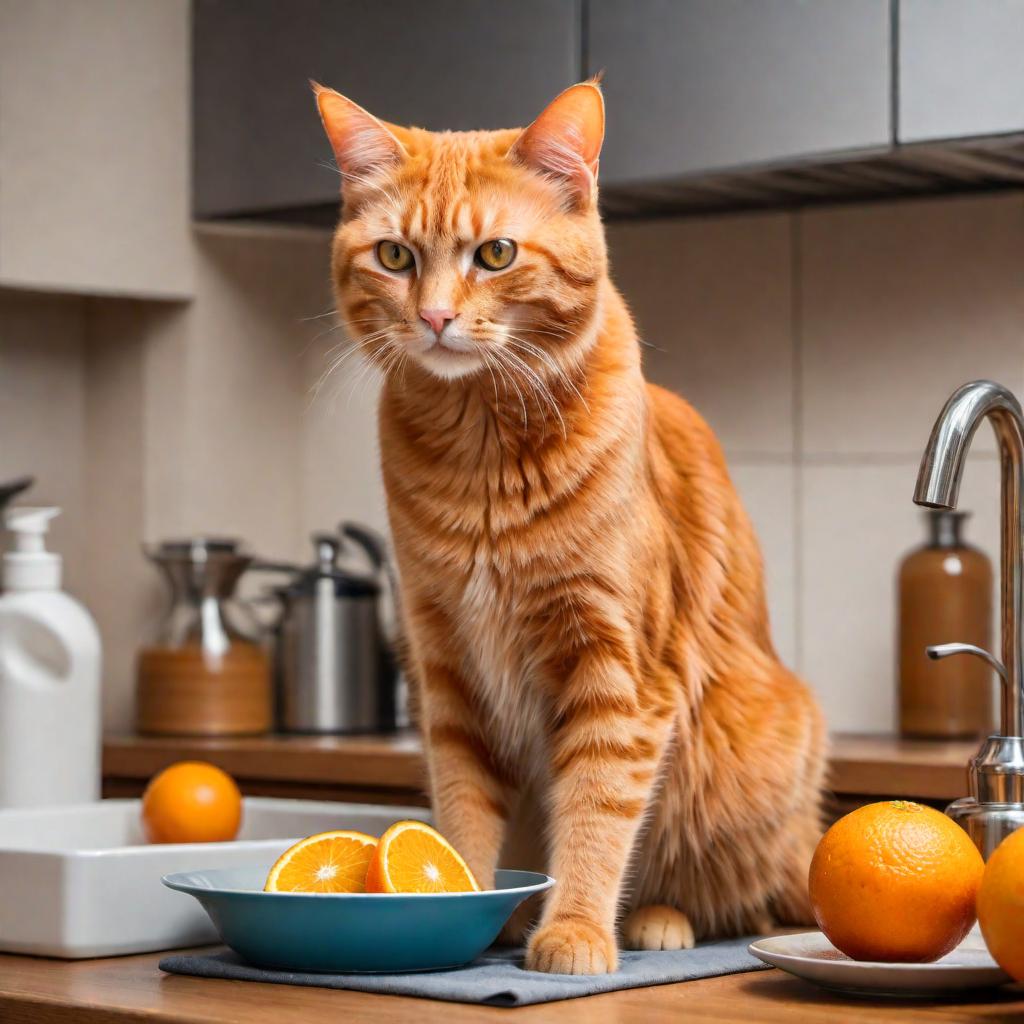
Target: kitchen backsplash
column 820, row 345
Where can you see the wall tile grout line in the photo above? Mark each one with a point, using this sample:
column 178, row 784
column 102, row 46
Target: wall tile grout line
column 894, row 70
column 796, row 327
column 740, row 457
column 583, row 19
column 907, row 458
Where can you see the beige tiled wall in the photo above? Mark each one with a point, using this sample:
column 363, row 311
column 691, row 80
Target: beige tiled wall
column 42, row 411
column 820, row 346
column 714, row 301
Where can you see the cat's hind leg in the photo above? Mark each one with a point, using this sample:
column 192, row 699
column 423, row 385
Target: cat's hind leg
column 790, row 903
column 657, row 926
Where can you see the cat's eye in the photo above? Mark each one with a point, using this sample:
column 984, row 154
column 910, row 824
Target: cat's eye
column 394, row 257
column 497, row 254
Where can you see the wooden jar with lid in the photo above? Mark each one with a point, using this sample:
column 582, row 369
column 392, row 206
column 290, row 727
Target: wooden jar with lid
column 207, row 673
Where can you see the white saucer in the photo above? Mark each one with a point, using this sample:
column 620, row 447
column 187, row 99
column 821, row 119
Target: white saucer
column 811, row 956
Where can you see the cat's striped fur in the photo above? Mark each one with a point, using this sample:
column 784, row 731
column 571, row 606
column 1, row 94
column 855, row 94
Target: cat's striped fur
column 582, row 590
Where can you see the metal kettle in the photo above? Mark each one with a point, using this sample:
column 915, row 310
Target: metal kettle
column 334, row 666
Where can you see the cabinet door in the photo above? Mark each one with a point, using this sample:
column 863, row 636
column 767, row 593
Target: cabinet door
column 960, row 70
column 94, row 175
column 443, row 64
column 697, row 85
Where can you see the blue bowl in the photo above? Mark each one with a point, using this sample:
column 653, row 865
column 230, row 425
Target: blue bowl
column 354, row 932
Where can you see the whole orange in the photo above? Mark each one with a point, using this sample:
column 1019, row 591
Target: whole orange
column 191, row 802
column 895, row 882
column 1001, row 905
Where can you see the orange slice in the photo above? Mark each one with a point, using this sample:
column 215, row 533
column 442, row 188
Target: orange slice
column 326, row 862
column 413, row 857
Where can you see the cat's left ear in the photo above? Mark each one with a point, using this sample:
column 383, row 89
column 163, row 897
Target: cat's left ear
column 565, row 141
column 361, row 142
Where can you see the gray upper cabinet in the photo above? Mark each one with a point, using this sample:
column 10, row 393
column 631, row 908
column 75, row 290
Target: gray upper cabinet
column 712, row 104
column 456, row 64
column 698, row 85
column 960, row 68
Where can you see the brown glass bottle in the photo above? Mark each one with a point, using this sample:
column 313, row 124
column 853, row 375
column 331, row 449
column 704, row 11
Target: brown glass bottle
column 945, row 596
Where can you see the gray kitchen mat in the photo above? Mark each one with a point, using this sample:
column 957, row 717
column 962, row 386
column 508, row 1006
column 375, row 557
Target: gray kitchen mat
column 497, row 978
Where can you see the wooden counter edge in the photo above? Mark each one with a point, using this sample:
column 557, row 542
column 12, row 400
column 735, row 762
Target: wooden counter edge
column 859, row 765
column 394, row 762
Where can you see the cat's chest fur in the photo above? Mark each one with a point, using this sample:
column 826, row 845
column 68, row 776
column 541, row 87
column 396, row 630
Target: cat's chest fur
column 496, row 651
column 478, row 541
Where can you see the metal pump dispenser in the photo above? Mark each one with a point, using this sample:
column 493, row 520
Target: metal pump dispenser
column 995, row 806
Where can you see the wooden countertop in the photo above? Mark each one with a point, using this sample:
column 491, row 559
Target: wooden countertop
column 129, row 990
column 390, row 768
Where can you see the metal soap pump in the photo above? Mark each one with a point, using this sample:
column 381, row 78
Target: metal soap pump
column 995, row 806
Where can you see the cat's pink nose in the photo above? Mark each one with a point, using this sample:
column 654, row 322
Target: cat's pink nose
column 438, row 319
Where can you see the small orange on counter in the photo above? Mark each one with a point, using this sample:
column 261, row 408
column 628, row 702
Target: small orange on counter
column 413, row 857
column 191, row 802
column 327, row 862
column 895, row 882
column 1001, row 905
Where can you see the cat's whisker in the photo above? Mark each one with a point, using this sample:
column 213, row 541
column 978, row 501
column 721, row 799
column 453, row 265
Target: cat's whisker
column 323, row 334
column 490, row 370
column 346, row 343
column 559, row 371
column 563, row 332
column 357, row 347
column 317, row 316
column 541, row 389
column 531, row 381
column 341, row 326
column 329, row 372
column 507, row 376
column 365, row 372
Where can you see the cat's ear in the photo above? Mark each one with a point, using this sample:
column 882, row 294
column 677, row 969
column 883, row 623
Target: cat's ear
column 565, row 141
column 360, row 142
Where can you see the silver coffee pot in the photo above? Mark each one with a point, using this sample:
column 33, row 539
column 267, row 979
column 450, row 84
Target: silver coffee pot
column 334, row 666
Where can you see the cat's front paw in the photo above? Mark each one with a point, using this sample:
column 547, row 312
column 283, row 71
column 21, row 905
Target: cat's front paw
column 572, row 946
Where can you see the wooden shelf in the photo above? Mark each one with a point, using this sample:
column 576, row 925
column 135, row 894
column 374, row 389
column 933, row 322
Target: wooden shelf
column 888, row 766
column 390, row 769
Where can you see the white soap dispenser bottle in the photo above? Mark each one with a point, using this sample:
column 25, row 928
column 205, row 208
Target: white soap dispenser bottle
column 49, row 676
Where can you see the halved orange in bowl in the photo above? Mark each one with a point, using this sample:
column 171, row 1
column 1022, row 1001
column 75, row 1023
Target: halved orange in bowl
column 325, row 862
column 412, row 857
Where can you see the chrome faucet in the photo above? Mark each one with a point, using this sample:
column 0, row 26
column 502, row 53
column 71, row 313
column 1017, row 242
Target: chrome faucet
column 995, row 806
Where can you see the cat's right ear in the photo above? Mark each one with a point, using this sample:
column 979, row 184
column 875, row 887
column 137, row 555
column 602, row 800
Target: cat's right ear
column 360, row 142
column 564, row 143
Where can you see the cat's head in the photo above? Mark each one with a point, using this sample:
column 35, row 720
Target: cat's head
column 470, row 252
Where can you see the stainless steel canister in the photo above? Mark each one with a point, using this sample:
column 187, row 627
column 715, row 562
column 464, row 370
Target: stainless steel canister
column 335, row 668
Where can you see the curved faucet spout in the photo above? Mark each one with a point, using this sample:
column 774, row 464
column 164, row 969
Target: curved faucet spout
column 938, row 486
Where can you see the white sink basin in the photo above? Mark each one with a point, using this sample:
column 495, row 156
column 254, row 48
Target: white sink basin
column 81, row 881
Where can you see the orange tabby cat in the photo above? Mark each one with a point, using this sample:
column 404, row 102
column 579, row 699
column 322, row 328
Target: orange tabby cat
column 582, row 591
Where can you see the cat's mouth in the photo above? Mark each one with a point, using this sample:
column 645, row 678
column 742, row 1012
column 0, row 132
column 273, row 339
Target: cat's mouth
column 450, row 357
column 457, row 347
